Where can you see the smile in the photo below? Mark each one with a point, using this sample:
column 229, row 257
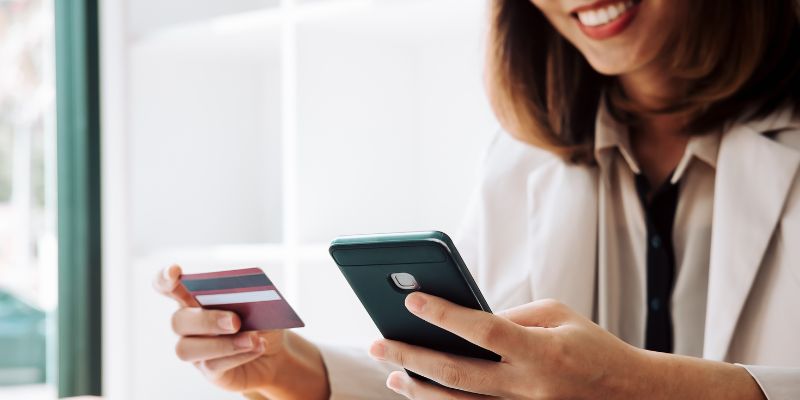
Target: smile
column 604, row 19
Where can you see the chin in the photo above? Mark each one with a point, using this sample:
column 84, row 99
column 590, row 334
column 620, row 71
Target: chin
column 610, row 67
column 616, row 60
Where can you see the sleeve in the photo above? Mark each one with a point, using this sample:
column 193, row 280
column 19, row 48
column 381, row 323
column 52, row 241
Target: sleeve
column 777, row 383
column 354, row 375
column 467, row 237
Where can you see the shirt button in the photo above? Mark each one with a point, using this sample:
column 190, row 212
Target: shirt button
column 655, row 304
column 655, row 241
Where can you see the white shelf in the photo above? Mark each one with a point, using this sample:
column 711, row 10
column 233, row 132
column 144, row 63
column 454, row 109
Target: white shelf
column 254, row 24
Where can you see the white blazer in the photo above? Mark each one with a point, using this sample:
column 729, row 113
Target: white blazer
column 532, row 209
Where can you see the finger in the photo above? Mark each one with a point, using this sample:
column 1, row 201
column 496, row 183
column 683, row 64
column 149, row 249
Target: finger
column 545, row 313
column 167, row 283
column 411, row 388
column 479, row 327
column 205, row 348
column 217, row 367
column 189, row 321
column 470, row 374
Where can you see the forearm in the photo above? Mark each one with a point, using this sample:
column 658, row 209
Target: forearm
column 302, row 374
column 669, row 376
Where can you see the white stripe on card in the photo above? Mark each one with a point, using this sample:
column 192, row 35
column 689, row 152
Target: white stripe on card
column 234, row 298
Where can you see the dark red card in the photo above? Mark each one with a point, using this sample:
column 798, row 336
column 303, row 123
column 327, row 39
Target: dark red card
column 248, row 293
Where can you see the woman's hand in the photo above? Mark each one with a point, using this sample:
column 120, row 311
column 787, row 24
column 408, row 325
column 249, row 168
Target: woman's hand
column 277, row 364
column 549, row 352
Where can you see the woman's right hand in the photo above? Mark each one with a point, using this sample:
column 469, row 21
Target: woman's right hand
column 277, row 364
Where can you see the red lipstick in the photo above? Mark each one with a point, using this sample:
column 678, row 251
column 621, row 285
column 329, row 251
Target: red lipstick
column 598, row 30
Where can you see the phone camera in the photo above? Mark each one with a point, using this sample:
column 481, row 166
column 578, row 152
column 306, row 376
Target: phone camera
column 405, row 281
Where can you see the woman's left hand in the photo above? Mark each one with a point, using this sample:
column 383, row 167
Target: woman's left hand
column 548, row 351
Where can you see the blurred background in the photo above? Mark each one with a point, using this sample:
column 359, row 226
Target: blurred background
column 231, row 134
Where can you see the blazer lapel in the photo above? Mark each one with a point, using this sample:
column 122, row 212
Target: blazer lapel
column 562, row 201
column 754, row 175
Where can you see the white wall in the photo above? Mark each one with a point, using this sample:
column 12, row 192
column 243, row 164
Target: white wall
column 388, row 122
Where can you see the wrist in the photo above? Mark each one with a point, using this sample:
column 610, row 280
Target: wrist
column 301, row 373
column 669, row 376
column 636, row 377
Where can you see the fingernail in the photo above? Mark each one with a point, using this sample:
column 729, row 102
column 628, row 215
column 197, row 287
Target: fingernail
column 243, row 342
column 262, row 345
column 415, row 303
column 395, row 383
column 226, row 323
column 377, row 350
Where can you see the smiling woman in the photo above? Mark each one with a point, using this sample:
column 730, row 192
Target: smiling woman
column 715, row 60
column 637, row 223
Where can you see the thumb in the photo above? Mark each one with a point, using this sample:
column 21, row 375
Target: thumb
column 167, row 282
column 545, row 313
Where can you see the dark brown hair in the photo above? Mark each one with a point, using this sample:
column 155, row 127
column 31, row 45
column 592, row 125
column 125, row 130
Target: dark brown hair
column 737, row 56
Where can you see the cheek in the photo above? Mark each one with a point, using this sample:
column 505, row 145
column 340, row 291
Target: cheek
column 559, row 19
column 551, row 9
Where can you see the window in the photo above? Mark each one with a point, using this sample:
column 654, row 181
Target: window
column 28, row 255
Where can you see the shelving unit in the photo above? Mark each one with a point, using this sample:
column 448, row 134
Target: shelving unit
column 258, row 130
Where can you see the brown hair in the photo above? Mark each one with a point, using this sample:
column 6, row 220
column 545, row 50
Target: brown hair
column 738, row 56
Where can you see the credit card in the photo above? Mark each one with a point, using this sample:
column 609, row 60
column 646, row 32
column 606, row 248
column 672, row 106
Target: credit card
column 248, row 293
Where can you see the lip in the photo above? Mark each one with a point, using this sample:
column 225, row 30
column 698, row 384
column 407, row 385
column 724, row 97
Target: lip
column 610, row 29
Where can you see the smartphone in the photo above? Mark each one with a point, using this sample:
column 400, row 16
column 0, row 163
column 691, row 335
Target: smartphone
column 382, row 269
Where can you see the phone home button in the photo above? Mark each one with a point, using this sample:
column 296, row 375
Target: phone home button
column 405, row 281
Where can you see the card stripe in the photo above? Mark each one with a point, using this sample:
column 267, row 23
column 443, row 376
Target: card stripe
column 236, row 290
column 237, row 298
column 230, row 282
column 222, row 274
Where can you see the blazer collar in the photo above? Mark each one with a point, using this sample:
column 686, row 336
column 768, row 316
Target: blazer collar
column 754, row 176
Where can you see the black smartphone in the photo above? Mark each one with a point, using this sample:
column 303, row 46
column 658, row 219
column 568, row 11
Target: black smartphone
column 383, row 269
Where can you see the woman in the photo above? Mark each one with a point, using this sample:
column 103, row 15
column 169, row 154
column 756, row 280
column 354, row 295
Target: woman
column 651, row 186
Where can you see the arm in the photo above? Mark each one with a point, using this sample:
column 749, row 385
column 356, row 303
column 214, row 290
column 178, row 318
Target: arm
column 777, row 383
column 278, row 363
column 306, row 376
column 671, row 376
column 267, row 364
column 549, row 351
column 348, row 374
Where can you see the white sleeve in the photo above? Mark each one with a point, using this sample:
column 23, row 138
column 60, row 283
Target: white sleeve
column 467, row 237
column 353, row 374
column 777, row 383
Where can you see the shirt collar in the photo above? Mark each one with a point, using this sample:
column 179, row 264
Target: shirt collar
column 701, row 147
column 613, row 137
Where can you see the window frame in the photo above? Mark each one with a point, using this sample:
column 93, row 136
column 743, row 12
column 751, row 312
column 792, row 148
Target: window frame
column 79, row 367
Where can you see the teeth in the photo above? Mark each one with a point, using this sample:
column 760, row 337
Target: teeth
column 602, row 16
column 605, row 14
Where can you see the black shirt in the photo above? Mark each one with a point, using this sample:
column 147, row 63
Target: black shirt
column 659, row 212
